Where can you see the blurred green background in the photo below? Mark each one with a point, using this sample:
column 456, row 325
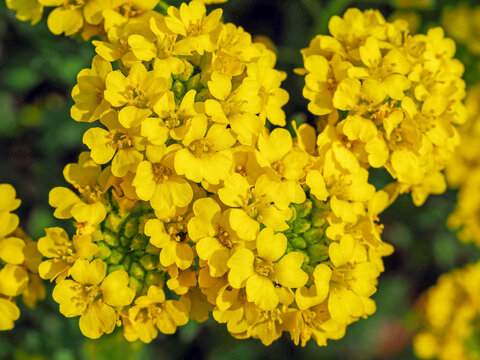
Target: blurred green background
column 38, row 137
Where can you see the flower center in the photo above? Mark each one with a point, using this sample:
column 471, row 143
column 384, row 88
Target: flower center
column 224, row 237
column 200, row 148
column 264, row 268
column 138, row 97
column 74, row 4
column 161, row 173
column 121, row 140
column 194, row 29
column 128, row 10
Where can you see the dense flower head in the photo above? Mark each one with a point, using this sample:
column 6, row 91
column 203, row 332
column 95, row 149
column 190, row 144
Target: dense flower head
column 451, row 309
column 19, row 259
column 463, row 172
column 193, row 198
column 289, row 240
column 391, row 98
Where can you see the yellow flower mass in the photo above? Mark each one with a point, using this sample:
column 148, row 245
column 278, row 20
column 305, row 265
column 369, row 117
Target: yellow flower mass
column 463, row 172
column 194, row 200
column 19, row 260
column 391, row 98
column 185, row 188
column 450, row 317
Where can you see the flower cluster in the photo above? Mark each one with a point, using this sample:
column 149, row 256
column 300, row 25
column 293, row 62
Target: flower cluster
column 88, row 18
column 187, row 205
column 463, row 172
column 19, row 261
column 85, row 17
column 462, row 23
column 450, row 317
column 390, row 98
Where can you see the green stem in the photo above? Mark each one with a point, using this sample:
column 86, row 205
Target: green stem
column 163, row 6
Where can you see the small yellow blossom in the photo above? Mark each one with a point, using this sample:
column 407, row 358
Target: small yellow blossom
column 93, row 296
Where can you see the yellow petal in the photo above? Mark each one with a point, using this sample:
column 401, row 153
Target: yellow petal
column 9, row 312
column 288, row 270
column 220, row 85
column 340, row 253
column 68, row 294
column 245, row 227
column 11, row 250
column 97, row 320
column 115, row 289
column 271, row 246
column 86, row 272
column 241, row 267
column 316, row 183
column 261, row 291
column 13, row 280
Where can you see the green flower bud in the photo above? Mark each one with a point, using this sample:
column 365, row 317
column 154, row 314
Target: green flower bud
column 154, row 278
column 112, row 268
column 111, row 239
column 202, row 95
column 149, row 261
column 116, row 257
column 178, row 89
column 131, row 227
column 135, row 284
column 194, row 83
column 303, row 210
column 314, row 235
column 103, row 251
column 301, row 225
column 318, row 218
column 152, row 249
column 186, row 74
column 318, row 253
column 127, row 262
column 139, row 242
column 297, row 242
column 136, row 270
column 114, row 222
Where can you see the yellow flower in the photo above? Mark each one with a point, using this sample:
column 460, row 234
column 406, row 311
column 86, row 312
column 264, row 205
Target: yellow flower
column 211, row 230
column 9, row 313
column 207, row 154
column 276, row 152
column 152, row 313
column 461, row 23
column 252, row 205
column 9, row 202
column 93, row 297
column 449, row 312
column 120, row 143
column 258, row 273
column 90, row 104
column 171, row 236
column 197, row 29
column 272, row 96
column 26, row 10
column 175, row 119
column 239, row 107
column 158, row 183
column 138, row 92
column 116, row 13
column 66, row 17
column 396, row 116
column 62, row 253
